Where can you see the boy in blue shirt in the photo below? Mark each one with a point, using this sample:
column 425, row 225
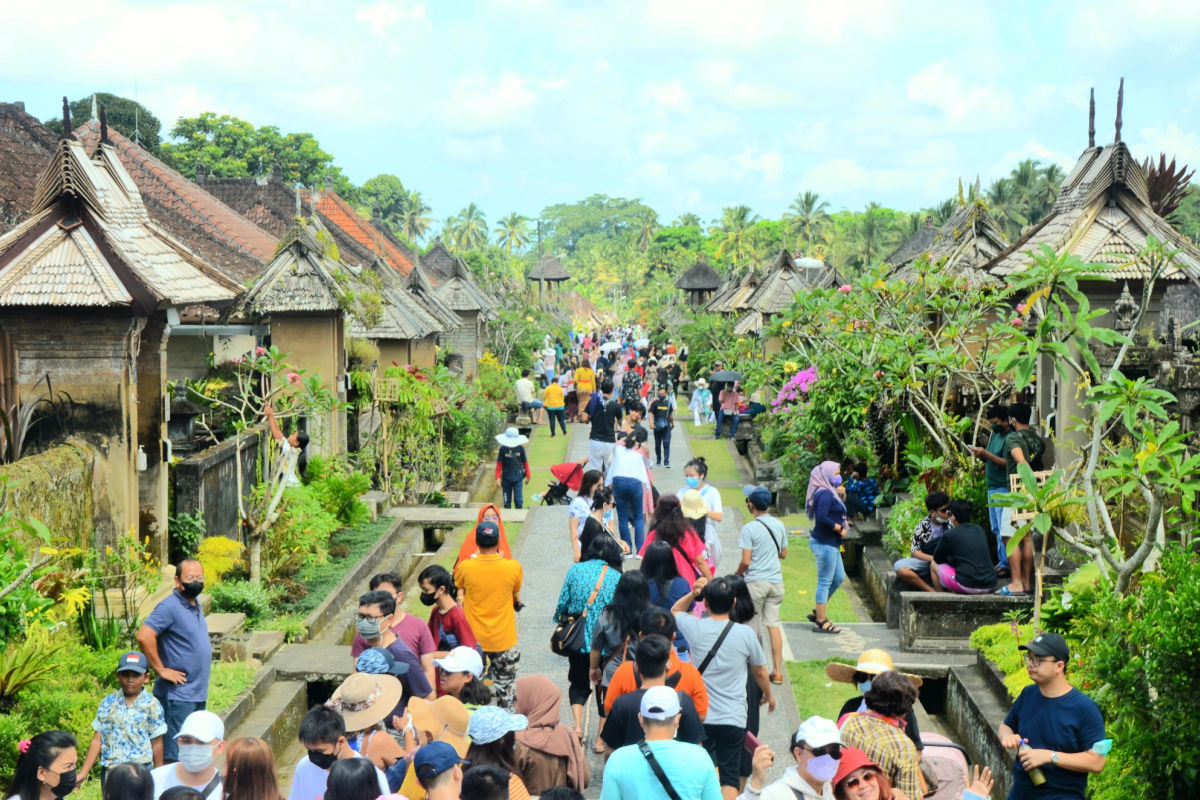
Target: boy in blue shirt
column 129, row 724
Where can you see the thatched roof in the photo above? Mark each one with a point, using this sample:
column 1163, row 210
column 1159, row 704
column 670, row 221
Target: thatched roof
column 700, row 278
column 438, row 263
column 967, row 241
column 675, row 315
column 918, row 244
column 403, row 316
column 420, row 287
column 549, row 269
column 301, row 277
column 733, row 296
column 460, row 292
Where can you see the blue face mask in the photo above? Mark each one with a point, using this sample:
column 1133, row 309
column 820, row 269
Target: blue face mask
column 692, row 483
column 836, row 480
column 864, row 687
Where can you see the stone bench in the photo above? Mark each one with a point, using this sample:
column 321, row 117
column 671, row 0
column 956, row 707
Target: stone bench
column 942, row 622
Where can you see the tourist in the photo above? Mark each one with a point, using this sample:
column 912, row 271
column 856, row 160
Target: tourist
column 861, row 491
column 744, row 613
column 460, row 674
column 995, row 471
column 548, row 753
column 526, row 398
column 487, row 782
column 716, row 387
column 585, row 383
column 631, row 386
column 129, row 724
column 1022, row 446
column 685, row 768
column 549, row 360
column 1062, row 726
column 860, row 778
column 630, row 481
column 323, row 734
column 45, row 767
column 730, row 404
column 408, row 628
column 671, row 526
column 701, row 404
column 493, row 743
column 539, row 371
column 512, row 467
column 587, row 588
column 294, row 448
column 554, row 400
column 695, row 477
column 817, row 750
column 879, row 731
column 725, row 653
column 175, row 641
column 680, row 674
column 662, row 576
column 601, row 521
column 614, row 632
column 763, row 542
column 604, row 413
column 201, row 740
column 380, row 661
column 127, row 781
column 962, row 559
column 662, row 413
column 439, row 769
column 828, row 513
column 581, row 506
column 444, row 720
column 916, row 570
column 448, row 626
column 365, row 701
column 491, row 589
column 374, row 624
column 621, row 726
column 250, row 771
column 352, row 779
column 489, row 512
column 871, row 663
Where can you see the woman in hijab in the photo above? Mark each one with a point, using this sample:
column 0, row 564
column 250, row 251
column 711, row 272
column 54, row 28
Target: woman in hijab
column 489, row 513
column 548, row 754
column 828, row 513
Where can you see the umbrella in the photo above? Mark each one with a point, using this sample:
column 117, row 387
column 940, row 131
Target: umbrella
column 726, row 376
column 608, row 347
column 641, row 342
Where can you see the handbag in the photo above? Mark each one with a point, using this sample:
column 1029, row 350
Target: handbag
column 569, row 632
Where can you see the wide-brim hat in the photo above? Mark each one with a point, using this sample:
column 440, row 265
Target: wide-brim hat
column 446, row 718
column 511, row 438
column 365, row 699
column 701, row 383
column 692, row 504
column 871, row 662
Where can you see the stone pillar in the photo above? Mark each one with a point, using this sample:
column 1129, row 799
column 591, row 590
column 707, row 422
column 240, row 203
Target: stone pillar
column 152, row 433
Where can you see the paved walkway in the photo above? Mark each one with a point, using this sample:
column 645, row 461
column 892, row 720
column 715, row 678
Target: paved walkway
column 544, row 551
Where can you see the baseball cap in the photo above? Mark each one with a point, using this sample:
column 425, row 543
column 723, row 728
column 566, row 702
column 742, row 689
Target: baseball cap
column 759, row 495
column 433, row 759
column 461, row 659
column 1049, row 644
column 660, row 702
column 487, row 534
column 133, row 661
column 203, row 726
column 818, row 732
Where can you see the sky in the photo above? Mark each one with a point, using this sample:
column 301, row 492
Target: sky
column 690, row 105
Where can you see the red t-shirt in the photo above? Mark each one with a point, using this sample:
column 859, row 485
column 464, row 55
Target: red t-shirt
column 453, row 626
column 409, row 630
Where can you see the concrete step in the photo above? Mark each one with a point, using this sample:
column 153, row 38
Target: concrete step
column 377, row 502
column 276, row 717
column 264, row 644
column 314, row 662
column 457, row 499
column 224, row 626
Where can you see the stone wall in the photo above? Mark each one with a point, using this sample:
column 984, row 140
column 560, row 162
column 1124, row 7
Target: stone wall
column 207, row 482
column 55, row 488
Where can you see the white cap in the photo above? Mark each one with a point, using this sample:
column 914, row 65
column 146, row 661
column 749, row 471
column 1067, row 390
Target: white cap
column 462, row 659
column 203, row 726
column 818, row 732
column 660, row 702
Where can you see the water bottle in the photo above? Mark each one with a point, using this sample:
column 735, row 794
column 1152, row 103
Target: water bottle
column 1034, row 774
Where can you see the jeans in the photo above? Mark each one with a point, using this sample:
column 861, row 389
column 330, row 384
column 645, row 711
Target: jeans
column 830, row 570
column 175, row 712
column 722, row 415
column 996, row 518
column 627, row 493
column 559, row 414
column 662, row 445
column 513, row 492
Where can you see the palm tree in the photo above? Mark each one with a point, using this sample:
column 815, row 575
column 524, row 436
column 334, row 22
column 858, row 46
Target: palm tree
column 471, row 228
column 874, row 233
column 512, row 232
column 688, row 220
column 645, row 233
column 735, row 221
column 449, row 232
column 806, row 215
column 415, row 218
column 944, row 210
column 1005, row 206
column 1047, row 191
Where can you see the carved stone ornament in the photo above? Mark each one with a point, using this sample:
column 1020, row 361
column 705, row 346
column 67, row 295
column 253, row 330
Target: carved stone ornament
column 1124, row 310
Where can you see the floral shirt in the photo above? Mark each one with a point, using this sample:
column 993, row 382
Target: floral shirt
column 866, row 489
column 926, row 533
column 577, row 588
column 126, row 730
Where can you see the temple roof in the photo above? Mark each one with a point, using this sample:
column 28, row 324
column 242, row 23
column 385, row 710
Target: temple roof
column 961, row 246
column 402, row 317
column 460, row 292
column 700, row 278
column 549, row 269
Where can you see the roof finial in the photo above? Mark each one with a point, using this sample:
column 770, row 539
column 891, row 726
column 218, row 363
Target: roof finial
column 1092, row 118
column 299, row 211
column 68, row 133
column 103, row 123
column 95, row 115
column 1120, row 103
column 962, row 201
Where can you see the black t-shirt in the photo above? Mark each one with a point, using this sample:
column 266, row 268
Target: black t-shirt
column 512, row 463
column 590, row 529
column 966, row 549
column 910, row 721
column 660, row 411
column 622, row 726
column 604, row 422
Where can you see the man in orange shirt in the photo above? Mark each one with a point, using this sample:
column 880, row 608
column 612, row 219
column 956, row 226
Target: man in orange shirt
column 491, row 590
column 680, row 674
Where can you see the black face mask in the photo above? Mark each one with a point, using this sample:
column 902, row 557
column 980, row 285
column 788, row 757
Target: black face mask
column 428, row 598
column 192, row 589
column 66, row 784
column 322, row 760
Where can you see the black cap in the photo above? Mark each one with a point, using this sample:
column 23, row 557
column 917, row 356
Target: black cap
column 487, row 534
column 1049, row 644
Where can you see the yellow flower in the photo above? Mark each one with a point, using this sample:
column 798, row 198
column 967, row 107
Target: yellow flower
column 787, row 323
column 879, row 286
column 790, row 366
column 1150, row 449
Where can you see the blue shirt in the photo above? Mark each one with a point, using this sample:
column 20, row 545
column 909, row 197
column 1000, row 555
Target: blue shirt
column 577, row 588
column 688, row 767
column 1070, row 723
column 126, row 730
column 183, row 645
column 828, row 510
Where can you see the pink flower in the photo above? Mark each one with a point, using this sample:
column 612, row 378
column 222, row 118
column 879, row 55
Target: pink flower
column 878, row 373
column 293, row 377
column 23, row 745
column 1016, row 322
column 1022, row 308
column 260, row 351
column 845, row 288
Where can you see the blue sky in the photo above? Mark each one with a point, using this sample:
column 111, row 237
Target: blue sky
column 691, row 105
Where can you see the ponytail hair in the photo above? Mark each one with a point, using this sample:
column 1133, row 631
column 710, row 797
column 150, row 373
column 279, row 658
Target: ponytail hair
column 40, row 752
column 438, row 576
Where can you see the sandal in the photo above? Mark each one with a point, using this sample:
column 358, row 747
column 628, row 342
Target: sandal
column 776, row 679
column 812, row 616
column 825, row 626
column 1007, row 592
column 598, row 746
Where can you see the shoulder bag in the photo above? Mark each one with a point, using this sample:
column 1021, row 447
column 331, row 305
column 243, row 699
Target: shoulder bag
column 716, row 646
column 778, row 546
column 646, row 752
column 568, row 636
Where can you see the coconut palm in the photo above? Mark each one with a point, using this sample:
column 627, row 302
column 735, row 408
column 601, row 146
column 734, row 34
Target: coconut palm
column 414, row 217
column 449, row 232
column 875, row 233
column 471, row 229
column 688, row 220
column 805, row 217
column 512, row 232
column 645, row 232
column 735, row 222
column 1005, row 206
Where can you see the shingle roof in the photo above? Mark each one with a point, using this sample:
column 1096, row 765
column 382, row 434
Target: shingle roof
column 549, row 269
column 25, row 147
column 300, row 278
column 438, row 262
column 918, row 243
column 967, row 241
column 90, row 243
column 461, row 293
column 733, row 296
column 700, row 278
column 419, row 285
column 403, row 316
column 338, row 214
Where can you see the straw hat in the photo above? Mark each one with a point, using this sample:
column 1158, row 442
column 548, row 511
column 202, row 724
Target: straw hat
column 446, row 718
column 365, row 699
column 871, row 662
column 693, row 505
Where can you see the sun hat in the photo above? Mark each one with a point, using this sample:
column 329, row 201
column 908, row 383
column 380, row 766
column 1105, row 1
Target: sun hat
column 1049, row 644
column 461, row 659
column 133, row 661
column 759, row 495
column 871, row 662
column 692, row 504
column 701, row 382
column 487, row 534
column 433, row 759
column 380, row 661
column 511, row 438
column 818, row 732
column 660, row 702
column 489, row 723
column 446, row 718
column 852, row 759
column 365, row 699
column 203, row 726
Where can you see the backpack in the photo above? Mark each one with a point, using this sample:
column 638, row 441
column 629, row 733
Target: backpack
column 1034, row 448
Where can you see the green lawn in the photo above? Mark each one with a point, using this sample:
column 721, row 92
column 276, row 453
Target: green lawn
column 721, row 468
column 320, row 579
column 544, row 452
column 815, row 693
column 800, row 578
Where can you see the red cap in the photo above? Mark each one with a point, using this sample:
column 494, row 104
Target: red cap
column 852, row 759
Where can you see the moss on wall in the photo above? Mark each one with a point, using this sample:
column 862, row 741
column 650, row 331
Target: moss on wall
column 54, row 487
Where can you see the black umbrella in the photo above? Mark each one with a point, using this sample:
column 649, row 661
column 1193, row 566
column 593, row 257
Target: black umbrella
column 726, row 376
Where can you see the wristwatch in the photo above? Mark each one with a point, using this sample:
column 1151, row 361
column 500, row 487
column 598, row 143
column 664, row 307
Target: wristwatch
column 1054, row 758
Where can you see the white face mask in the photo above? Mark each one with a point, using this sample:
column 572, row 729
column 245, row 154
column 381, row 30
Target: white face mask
column 196, row 757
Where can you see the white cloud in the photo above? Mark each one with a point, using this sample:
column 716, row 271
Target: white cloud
column 718, row 76
column 970, row 105
column 768, row 162
column 1183, row 146
column 476, row 148
column 381, row 15
column 478, row 102
column 660, row 144
column 670, row 96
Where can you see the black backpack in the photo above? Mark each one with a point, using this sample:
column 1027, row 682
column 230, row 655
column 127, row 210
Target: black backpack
column 1034, row 448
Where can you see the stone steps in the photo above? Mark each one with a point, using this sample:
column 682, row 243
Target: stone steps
column 275, row 717
column 224, row 627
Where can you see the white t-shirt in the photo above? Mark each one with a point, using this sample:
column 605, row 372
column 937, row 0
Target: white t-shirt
column 712, row 537
column 580, row 507
column 166, row 777
column 308, row 781
column 524, row 388
column 291, row 458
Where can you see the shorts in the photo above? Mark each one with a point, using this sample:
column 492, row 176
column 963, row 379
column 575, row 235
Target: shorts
column 946, row 575
column 915, row 564
column 724, row 745
column 767, row 598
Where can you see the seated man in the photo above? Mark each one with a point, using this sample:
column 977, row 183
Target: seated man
column 962, row 559
column 915, row 570
column 861, row 491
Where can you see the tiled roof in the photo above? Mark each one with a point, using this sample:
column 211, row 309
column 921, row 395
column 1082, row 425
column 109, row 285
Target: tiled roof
column 438, row 263
column 338, row 214
column 403, row 315
column 300, row 278
column 26, row 145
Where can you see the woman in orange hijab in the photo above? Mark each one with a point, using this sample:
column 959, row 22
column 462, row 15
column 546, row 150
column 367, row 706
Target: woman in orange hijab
column 490, row 513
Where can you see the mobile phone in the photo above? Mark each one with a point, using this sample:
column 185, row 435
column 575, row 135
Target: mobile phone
column 751, row 743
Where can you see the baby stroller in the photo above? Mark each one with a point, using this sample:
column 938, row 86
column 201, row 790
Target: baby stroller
column 569, row 476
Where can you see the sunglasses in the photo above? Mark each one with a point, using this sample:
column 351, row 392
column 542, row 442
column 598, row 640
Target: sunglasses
column 832, row 750
column 867, row 777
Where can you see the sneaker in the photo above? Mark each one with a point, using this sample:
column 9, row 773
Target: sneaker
column 666, row 466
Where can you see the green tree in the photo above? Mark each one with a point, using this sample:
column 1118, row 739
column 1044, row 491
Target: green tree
column 416, row 219
column 124, row 116
column 512, row 232
column 471, row 229
column 387, row 195
column 732, row 229
column 1005, row 204
column 565, row 226
column 687, row 220
column 875, row 233
column 645, row 232
column 805, row 218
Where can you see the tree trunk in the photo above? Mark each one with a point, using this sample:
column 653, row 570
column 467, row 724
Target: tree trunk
column 255, row 559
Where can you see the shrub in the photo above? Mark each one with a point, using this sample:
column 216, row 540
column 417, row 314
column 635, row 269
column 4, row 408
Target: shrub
column 219, row 555
column 253, row 600
column 185, row 533
column 901, row 523
column 338, row 487
column 998, row 643
column 300, row 536
column 28, row 661
column 292, row 625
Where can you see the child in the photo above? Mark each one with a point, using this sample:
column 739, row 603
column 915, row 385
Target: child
column 323, row 735
column 861, row 492
column 129, row 724
column 512, row 466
